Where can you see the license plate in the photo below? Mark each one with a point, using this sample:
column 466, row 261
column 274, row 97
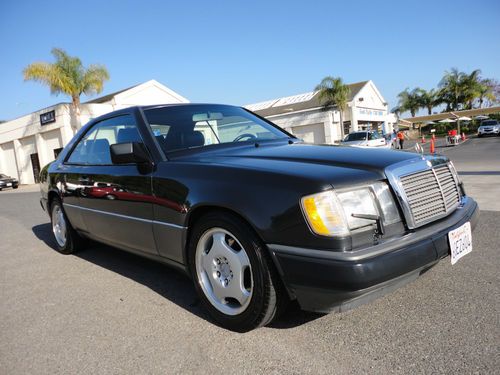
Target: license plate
column 9, row 184
column 460, row 242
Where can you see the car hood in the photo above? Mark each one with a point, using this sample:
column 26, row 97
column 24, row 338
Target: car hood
column 339, row 164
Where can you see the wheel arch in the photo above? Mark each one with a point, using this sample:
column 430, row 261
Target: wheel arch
column 199, row 211
column 53, row 194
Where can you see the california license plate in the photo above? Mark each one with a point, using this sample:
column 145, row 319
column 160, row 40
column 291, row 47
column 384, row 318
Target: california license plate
column 9, row 184
column 460, row 242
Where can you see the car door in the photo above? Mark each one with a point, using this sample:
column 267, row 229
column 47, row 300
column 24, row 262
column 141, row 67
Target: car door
column 114, row 200
column 375, row 140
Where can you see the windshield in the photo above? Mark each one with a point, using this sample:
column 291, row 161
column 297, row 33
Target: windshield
column 2, row 175
column 490, row 122
column 187, row 126
column 361, row 136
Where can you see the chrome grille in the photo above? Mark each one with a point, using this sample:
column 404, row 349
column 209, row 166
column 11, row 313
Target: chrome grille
column 431, row 194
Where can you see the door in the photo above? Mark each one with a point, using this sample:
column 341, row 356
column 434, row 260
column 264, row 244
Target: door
column 35, row 164
column 375, row 140
column 115, row 201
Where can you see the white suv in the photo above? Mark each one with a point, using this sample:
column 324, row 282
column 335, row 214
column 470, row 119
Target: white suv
column 489, row 127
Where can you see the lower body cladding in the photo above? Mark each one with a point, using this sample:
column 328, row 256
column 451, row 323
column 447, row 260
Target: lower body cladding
column 326, row 281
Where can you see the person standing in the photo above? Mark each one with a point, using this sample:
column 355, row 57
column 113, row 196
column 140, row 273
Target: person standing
column 394, row 139
column 401, row 139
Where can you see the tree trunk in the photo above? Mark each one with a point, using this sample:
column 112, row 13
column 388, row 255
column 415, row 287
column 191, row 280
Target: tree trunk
column 429, row 110
column 342, row 125
column 76, row 120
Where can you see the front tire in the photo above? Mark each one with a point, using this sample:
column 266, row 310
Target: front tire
column 233, row 274
column 67, row 240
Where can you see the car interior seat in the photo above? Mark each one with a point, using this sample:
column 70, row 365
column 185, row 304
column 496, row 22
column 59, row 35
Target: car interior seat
column 181, row 140
column 100, row 152
column 128, row 134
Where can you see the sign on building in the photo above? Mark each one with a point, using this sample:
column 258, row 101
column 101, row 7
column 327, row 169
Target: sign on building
column 48, row 117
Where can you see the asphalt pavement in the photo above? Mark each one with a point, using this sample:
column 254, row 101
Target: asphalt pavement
column 108, row 312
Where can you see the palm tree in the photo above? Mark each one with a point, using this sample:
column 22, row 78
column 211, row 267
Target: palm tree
column 68, row 76
column 409, row 100
column 429, row 99
column 451, row 86
column 459, row 90
column 486, row 91
column 334, row 93
column 471, row 85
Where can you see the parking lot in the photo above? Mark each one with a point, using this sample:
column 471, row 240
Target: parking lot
column 106, row 311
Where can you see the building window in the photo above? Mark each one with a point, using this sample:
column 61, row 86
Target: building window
column 57, row 151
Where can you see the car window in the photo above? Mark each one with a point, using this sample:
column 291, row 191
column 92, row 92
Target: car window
column 360, row 136
column 93, row 148
column 189, row 126
column 489, row 122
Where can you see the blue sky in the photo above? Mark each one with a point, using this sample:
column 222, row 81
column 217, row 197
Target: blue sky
column 241, row 52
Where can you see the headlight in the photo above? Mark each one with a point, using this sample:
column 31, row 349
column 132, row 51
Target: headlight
column 324, row 214
column 330, row 213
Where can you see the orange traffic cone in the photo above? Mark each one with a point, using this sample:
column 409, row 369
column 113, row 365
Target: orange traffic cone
column 433, row 136
column 432, row 146
column 423, row 139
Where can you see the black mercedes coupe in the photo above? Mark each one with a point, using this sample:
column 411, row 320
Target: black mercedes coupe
column 255, row 216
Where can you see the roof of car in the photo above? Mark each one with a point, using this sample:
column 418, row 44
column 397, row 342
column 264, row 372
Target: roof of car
column 181, row 105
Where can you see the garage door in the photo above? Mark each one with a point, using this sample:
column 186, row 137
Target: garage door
column 314, row 133
column 8, row 160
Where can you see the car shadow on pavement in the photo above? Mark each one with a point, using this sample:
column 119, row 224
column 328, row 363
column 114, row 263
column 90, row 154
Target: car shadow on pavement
column 164, row 280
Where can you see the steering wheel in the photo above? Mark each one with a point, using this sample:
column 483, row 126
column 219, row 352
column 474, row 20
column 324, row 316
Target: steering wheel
column 243, row 136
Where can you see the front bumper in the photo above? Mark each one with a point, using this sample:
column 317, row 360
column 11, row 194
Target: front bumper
column 489, row 132
column 13, row 185
column 325, row 281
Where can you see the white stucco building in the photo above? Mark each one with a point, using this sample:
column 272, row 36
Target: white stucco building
column 30, row 142
column 303, row 115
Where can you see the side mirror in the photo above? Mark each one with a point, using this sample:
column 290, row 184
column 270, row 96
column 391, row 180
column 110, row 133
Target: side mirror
column 129, row 153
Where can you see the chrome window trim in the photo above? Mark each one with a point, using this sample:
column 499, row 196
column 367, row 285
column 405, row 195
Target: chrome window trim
column 125, row 216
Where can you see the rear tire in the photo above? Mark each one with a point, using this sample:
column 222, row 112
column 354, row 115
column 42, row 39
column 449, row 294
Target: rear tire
column 67, row 239
column 233, row 274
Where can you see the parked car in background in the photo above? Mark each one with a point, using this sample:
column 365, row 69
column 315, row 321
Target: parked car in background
column 8, row 182
column 368, row 138
column 255, row 216
column 489, row 127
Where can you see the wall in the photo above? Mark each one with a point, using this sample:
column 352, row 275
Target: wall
column 148, row 93
column 8, row 164
column 27, row 146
